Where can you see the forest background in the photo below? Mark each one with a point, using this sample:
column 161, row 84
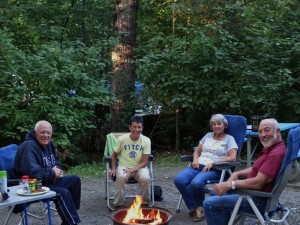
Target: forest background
column 193, row 58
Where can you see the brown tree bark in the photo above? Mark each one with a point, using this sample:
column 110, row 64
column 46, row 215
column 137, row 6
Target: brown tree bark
column 122, row 57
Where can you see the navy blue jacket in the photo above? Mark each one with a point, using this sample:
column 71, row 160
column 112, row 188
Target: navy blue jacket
column 35, row 160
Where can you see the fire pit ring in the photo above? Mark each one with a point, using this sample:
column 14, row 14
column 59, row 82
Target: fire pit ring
column 118, row 215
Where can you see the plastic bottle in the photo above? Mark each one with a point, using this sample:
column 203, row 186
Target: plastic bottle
column 32, row 184
column 39, row 185
column 25, row 182
column 3, row 180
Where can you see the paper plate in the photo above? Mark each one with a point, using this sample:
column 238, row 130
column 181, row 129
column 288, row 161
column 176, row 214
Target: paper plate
column 44, row 190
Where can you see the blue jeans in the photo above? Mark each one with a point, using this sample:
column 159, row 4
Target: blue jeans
column 218, row 209
column 191, row 184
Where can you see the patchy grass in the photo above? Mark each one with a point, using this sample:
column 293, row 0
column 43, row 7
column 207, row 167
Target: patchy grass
column 167, row 159
column 88, row 170
column 97, row 169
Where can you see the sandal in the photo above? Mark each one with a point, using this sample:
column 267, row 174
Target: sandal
column 199, row 215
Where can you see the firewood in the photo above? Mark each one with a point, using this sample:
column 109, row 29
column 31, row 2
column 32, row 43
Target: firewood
column 144, row 221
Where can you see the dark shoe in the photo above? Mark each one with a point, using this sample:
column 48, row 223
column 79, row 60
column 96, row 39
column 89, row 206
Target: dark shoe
column 119, row 207
column 18, row 208
column 192, row 213
column 119, row 204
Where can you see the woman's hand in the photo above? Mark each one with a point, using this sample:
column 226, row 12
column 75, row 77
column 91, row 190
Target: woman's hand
column 195, row 164
column 207, row 167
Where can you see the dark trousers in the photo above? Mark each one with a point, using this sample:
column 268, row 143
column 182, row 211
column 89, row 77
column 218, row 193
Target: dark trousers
column 68, row 194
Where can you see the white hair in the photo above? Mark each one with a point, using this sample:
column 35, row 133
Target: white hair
column 218, row 118
column 39, row 123
column 273, row 121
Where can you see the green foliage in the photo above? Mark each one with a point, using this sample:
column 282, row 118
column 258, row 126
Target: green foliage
column 59, row 84
column 239, row 63
column 221, row 56
column 194, row 57
column 35, row 22
column 54, row 65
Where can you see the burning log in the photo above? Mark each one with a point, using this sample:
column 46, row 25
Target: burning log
column 144, row 220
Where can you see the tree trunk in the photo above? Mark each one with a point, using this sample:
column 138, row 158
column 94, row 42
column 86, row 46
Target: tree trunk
column 122, row 57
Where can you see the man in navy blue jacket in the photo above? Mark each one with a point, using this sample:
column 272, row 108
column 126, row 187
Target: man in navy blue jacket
column 36, row 157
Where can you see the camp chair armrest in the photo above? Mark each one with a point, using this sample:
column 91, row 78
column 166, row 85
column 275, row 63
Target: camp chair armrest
column 150, row 157
column 107, row 159
column 12, row 182
column 186, row 158
column 224, row 165
column 253, row 193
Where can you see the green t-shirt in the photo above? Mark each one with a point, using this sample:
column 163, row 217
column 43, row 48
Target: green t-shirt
column 130, row 152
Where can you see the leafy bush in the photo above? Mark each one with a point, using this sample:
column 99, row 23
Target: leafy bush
column 61, row 84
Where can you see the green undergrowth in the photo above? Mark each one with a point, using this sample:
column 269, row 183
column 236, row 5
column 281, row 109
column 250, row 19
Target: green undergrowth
column 88, row 170
column 167, row 159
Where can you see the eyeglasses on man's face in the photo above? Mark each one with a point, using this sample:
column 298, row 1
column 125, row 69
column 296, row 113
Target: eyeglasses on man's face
column 44, row 132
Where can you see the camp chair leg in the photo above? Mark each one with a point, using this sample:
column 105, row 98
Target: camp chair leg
column 107, row 187
column 9, row 215
column 282, row 216
column 179, row 204
column 37, row 216
column 235, row 210
column 48, row 212
column 151, row 182
column 152, row 195
column 108, row 197
column 256, row 211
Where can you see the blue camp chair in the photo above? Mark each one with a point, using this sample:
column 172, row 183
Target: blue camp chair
column 7, row 158
column 273, row 206
column 237, row 127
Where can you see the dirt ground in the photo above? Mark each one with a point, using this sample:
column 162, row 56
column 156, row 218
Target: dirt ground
column 94, row 209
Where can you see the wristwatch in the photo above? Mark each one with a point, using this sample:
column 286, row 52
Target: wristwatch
column 232, row 185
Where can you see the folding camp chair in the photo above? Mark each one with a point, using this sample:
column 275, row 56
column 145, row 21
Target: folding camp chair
column 7, row 157
column 274, row 211
column 295, row 175
column 237, row 127
column 111, row 140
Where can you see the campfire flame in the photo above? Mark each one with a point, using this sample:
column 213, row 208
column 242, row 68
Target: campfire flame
column 135, row 214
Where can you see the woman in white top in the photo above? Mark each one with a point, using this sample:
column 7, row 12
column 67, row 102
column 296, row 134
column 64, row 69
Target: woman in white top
column 216, row 146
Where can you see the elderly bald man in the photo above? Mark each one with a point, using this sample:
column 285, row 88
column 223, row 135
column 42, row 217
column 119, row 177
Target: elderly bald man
column 36, row 157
